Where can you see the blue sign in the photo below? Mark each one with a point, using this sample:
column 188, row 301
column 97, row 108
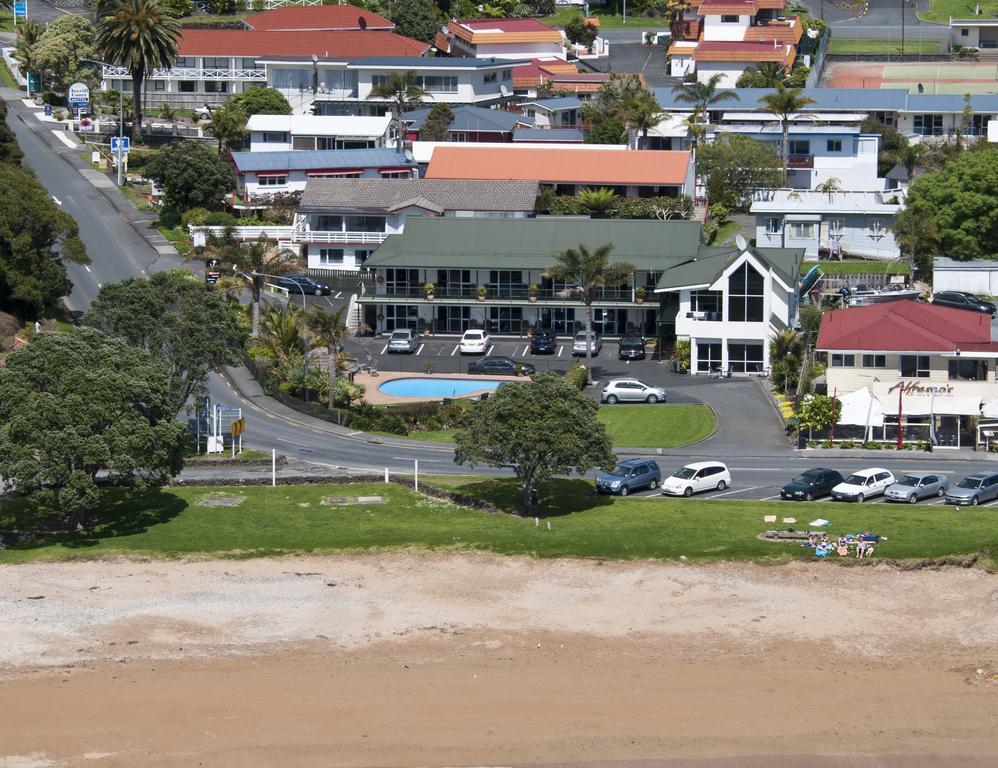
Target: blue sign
column 21, row 10
column 124, row 144
column 34, row 82
column 48, row 110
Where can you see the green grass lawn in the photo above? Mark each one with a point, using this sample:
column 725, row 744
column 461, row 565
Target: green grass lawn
column 726, row 232
column 844, row 46
column 657, row 426
column 940, row 11
column 291, row 519
column 607, row 20
column 858, row 267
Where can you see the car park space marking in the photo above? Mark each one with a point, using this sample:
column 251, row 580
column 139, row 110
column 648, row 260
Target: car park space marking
column 989, row 503
column 419, row 349
column 86, row 267
column 454, row 351
column 492, row 348
column 736, row 490
column 560, row 350
column 526, row 349
column 338, row 294
column 770, row 498
column 384, row 349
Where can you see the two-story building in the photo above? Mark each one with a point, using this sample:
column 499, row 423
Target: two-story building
column 979, row 32
column 470, row 124
column 340, row 222
column 283, row 133
column 519, row 39
column 832, row 223
column 929, row 369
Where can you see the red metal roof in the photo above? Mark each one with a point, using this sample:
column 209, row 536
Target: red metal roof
column 905, row 326
column 505, row 25
column 326, row 45
column 318, row 17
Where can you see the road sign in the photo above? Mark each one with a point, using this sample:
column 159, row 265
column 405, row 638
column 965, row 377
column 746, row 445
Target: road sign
column 78, row 96
column 124, row 144
column 238, row 426
column 21, row 10
column 34, row 82
column 48, row 110
column 211, row 277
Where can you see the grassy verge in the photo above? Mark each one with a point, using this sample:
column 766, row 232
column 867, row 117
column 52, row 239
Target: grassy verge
column 858, row 267
column 607, row 20
column 725, row 232
column 292, row 519
column 657, row 426
column 940, row 11
column 876, row 47
column 6, row 76
column 177, row 237
column 137, row 198
column 7, row 22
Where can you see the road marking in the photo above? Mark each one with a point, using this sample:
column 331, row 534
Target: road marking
column 353, row 434
column 100, row 285
column 61, row 135
column 419, row 349
column 770, row 498
column 86, row 267
column 292, row 442
column 739, row 490
column 454, row 351
column 57, row 200
column 330, row 303
column 491, row 350
column 412, row 458
column 338, row 294
column 384, row 349
column 526, row 349
column 560, row 350
column 989, row 504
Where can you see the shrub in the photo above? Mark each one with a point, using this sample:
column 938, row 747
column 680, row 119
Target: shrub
column 195, row 216
column 220, row 219
column 370, row 419
column 578, row 376
column 871, row 445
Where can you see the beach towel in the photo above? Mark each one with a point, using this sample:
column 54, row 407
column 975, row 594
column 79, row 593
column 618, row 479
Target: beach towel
column 821, row 552
column 820, row 522
column 770, row 519
column 790, row 520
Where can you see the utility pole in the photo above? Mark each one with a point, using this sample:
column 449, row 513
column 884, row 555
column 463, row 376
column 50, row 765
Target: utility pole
column 902, row 50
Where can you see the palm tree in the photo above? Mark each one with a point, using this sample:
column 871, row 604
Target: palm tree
column 140, row 35
column 675, row 12
column 227, row 123
column 282, row 329
column 785, row 102
column 328, row 329
column 703, row 95
column 589, row 271
column 251, row 261
column 641, row 112
column 28, row 34
column 830, row 187
column 918, row 237
column 167, row 112
column 402, row 89
column 765, row 74
column 597, row 201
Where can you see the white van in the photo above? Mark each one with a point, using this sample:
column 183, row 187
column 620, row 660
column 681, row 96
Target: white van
column 697, row 477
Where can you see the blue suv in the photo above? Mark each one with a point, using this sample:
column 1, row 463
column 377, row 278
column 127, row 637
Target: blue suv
column 630, row 475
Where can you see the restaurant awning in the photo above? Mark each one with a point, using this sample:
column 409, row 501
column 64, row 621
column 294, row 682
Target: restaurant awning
column 862, row 409
column 925, row 405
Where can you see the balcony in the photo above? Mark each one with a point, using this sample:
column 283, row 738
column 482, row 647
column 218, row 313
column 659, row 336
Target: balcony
column 712, row 317
column 364, row 238
column 504, row 293
column 190, row 73
column 800, row 161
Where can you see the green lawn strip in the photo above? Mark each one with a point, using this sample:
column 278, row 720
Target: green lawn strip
column 137, row 198
column 291, row 519
column 845, row 46
column 5, row 74
column 657, row 426
column 563, row 15
column 858, row 267
column 726, row 232
column 7, row 24
column 940, row 11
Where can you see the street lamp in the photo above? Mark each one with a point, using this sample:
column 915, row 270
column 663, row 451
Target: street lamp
column 304, row 308
column 121, row 117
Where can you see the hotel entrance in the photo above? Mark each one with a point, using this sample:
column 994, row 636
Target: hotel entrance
column 955, row 431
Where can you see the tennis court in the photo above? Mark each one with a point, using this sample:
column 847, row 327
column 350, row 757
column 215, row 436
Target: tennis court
column 935, row 77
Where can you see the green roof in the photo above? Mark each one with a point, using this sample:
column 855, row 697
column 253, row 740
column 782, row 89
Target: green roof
column 531, row 243
column 711, row 263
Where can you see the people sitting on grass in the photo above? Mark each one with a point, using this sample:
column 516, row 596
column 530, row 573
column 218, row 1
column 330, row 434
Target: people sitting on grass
column 864, row 542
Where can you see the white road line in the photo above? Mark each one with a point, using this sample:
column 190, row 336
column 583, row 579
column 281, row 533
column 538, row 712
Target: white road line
column 454, row 351
column 411, row 458
column 384, row 349
column 560, row 350
column 420, row 348
column 491, row 350
column 770, row 498
column 57, row 200
column 338, row 294
column 989, row 504
column 61, row 135
column 737, row 490
column 353, row 434
column 292, row 442
column 526, row 349
column 86, row 267
column 330, row 303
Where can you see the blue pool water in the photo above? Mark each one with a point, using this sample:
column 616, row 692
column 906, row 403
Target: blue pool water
column 416, row 387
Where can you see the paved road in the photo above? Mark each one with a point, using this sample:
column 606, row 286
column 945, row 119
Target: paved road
column 882, row 20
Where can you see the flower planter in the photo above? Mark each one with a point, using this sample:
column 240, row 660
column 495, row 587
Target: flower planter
column 532, row 299
column 429, row 297
column 481, row 298
column 639, row 300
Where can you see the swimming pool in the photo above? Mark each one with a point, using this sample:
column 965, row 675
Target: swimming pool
column 421, row 387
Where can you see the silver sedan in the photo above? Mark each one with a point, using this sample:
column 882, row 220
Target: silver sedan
column 915, row 486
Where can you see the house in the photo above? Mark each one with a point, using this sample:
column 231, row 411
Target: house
column 549, row 135
column 980, row 32
column 558, row 77
column 629, row 173
column 341, row 221
column 470, row 124
column 281, row 133
column 735, row 35
column 926, row 367
column 978, row 276
column 263, row 174
column 561, row 112
column 837, row 223
column 729, row 303
column 524, row 38
column 422, row 151
column 318, row 18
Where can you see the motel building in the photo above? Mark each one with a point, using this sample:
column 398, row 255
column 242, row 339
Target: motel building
column 930, row 369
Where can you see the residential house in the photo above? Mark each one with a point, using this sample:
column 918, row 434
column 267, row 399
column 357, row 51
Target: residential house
column 828, row 223
column 557, row 77
column 470, row 124
column 281, row 133
column 341, row 221
column 561, row 112
column 318, row 18
column 629, row 173
column 549, row 135
column 524, row 38
column 979, row 32
column 925, row 367
column 422, row 151
column 262, row 174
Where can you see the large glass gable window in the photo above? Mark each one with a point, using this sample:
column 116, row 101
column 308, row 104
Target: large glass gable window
column 745, row 295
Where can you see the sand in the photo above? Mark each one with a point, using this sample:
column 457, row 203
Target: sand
column 413, row 660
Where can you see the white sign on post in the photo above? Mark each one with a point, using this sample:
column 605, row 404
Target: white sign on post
column 78, row 96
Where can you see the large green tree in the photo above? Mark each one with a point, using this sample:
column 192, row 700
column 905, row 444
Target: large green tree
column 261, row 101
column 437, row 123
column 36, row 238
column 959, row 202
column 61, row 49
column 10, row 152
column 642, row 113
column 590, row 271
column 734, row 166
column 227, row 123
column 28, row 35
column 175, row 317
column 785, row 103
column 192, row 175
column 418, row 19
column 78, row 404
column 538, row 429
column 403, row 90
column 608, row 102
column 140, row 35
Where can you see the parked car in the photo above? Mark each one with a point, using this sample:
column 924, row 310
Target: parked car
column 501, row 366
column 974, row 489
column 630, row 475
column 864, row 484
column 963, row 300
column 694, row 478
column 631, row 390
column 811, row 484
column 475, row 342
column 916, row 486
column 403, row 340
column 579, row 344
column 543, row 343
column 292, row 282
column 631, row 348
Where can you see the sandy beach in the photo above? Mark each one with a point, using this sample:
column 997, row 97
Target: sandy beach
column 433, row 660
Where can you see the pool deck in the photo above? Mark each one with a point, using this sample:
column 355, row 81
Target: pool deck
column 375, row 397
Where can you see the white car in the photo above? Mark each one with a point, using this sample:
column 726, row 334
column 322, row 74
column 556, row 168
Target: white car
column 697, row 477
column 863, row 484
column 631, row 390
column 579, row 344
column 475, row 342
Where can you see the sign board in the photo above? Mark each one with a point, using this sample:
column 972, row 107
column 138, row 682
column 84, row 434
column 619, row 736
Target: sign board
column 199, row 239
column 21, row 10
column 212, row 273
column 238, row 427
column 48, row 110
column 95, row 158
column 34, row 82
column 78, row 96
column 210, row 278
column 215, row 444
column 124, row 144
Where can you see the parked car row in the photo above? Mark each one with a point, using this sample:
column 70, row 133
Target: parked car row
column 643, row 474
column 477, row 341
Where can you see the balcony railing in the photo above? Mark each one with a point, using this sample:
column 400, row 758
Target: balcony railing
column 470, row 292
column 366, row 238
column 191, row 73
column 714, row 317
column 800, row 161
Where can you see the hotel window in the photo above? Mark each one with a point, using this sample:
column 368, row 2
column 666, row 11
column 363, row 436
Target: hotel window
column 968, row 370
column 303, row 142
column 440, row 83
column 272, row 181
column 746, row 289
column 325, row 223
column 396, row 174
column 250, row 64
column 874, row 361
column 800, row 147
column 158, row 85
column 887, row 118
column 728, row 18
column 457, row 136
column 708, row 357
column 274, row 137
column 188, row 86
column 401, row 281
column 216, row 62
column 329, row 256
column 964, row 32
column 745, row 358
column 506, row 283
column 401, row 316
column 507, row 74
column 834, row 145
column 802, row 230
column 491, row 77
column 914, row 366
column 839, row 360
column 774, row 225
column 216, row 86
column 184, row 62
column 928, row 125
column 365, row 223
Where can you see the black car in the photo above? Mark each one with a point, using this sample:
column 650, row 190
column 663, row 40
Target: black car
column 501, row 366
column 543, row 343
column 962, row 300
column 307, row 284
column 631, row 348
column 811, row 484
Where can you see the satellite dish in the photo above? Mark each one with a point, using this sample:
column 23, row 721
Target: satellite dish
column 362, row 23
column 740, row 242
column 504, row 90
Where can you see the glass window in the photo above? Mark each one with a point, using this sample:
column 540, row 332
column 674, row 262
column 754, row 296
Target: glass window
column 491, row 77
column 184, row 62
column 834, row 145
column 272, row 181
column 968, row 370
column 250, row 64
column 802, row 230
column 216, row 86
column 216, row 62
column 745, row 295
column 914, row 366
column 275, row 137
column 708, row 357
column 507, row 74
column 365, row 223
column 361, row 256
column 745, row 358
column 401, row 316
column 188, row 86
column 709, row 302
column 774, row 225
column 800, row 147
column 401, row 281
column 326, row 223
column 874, row 361
column 158, row 85
column 839, row 360
column 729, row 18
column 329, row 256
column 507, row 283
column 303, row 142
column 887, row 118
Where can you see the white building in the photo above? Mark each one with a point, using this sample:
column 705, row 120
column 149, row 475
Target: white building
column 979, row 32
column 518, row 39
column 979, row 277
column 281, row 133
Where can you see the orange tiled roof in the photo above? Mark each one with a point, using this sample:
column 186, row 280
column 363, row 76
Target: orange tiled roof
column 442, row 42
column 734, row 51
column 478, row 31
column 739, row 7
column 560, row 166
column 783, row 32
column 771, row 5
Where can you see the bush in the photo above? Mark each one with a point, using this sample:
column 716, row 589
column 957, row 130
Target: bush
column 578, row 376
column 220, row 219
column 195, row 217
column 870, row 445
column 367, row 418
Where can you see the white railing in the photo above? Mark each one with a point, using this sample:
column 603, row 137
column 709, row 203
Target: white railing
column 245, row 233
column 13, row 65
column 308, row 236
column 269, row 5
column 191, row 73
